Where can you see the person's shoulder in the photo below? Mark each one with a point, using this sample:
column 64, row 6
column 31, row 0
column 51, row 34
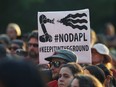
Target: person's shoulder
column 53, row 83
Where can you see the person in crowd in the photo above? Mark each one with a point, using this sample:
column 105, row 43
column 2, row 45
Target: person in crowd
column 33, row 50
column 13, row 31
column 17, row 49
column 3, row 53
column 67, row 73
column 19, row 74
column 85, row 81
column 59, row 58
column 5, row 40
column 17, row 44
column 110, row 35
column 47, row 74
column 114, row 69
column 95, row 71
column 100, row 54
column 110, row 81
column 24, row 37
column 111, row 42
column 105, row 69
column 93, row 37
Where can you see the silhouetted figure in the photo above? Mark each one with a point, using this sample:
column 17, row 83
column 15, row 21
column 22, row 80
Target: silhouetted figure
column 19, row 74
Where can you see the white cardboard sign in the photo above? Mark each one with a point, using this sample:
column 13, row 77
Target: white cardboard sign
column 64, row 30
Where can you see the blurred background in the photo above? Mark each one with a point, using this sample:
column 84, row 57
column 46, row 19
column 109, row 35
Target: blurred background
column 24, row 12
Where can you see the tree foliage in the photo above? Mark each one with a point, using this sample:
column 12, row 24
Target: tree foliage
column 24, row 12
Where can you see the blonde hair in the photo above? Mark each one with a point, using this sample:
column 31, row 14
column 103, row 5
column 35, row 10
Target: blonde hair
column 15, row 27
column 93, row 37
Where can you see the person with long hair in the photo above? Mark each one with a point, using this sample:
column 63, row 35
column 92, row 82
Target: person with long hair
column 85, row 81
column 67, row 73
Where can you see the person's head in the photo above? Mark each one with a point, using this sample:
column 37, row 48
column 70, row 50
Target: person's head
column 93, row 37
column 17, row 44
column 5, row 40
column 109, row 29
column 13, row 31
column 59, row 58
column 105, row 69
column 100, row 54
column 33, row 51
column 2, row 51
column 19, row 74
column 108, row 75
column 95, row 71
column 85, row 81
column 67, row 73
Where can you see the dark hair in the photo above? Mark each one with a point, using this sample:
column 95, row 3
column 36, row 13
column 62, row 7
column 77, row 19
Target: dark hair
column 4, row 39
column 19, row 74
column 105, row 69
column 88, row 81
column 74, row 67
column 2, row 51
column 20, row 43
column 97, row 72
column 33, row 35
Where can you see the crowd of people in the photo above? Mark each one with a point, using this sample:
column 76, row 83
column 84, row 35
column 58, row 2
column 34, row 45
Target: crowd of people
column 20, row 65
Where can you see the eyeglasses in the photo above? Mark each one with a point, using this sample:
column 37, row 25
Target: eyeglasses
column 13, row 48
column 21, row 52
column 56, row 64
column 34, row 45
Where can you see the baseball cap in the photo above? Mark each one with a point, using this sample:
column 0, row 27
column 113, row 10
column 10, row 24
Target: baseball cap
column 67, row 55
column 102, row 49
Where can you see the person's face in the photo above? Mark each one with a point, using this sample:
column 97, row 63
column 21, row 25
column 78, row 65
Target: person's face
column 33, row 48
column 55, row 65
column 13, row 48
column 11, row 33
column 96, row 57
column 110, row 30
column 65, row 77
column 75, row 83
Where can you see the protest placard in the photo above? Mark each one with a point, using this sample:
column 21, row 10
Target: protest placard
column 64, row 30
